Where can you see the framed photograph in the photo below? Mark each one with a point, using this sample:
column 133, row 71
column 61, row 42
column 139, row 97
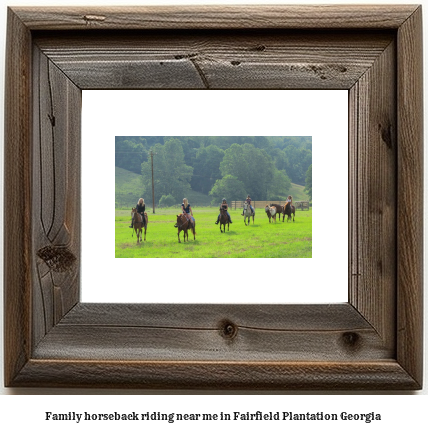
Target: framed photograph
column 373, row 341
column 314, row 121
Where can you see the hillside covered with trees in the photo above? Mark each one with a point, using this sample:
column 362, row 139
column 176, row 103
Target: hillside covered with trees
column 231, row 167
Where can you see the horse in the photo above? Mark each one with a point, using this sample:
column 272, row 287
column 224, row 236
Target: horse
column 248, row 213
column 288, row 210
column 279, row 209
column 224, row 218
column 138, row 224
column 271, row 212
column 184, row 224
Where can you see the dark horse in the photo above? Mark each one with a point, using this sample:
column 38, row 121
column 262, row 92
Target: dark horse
column 224, row 218
column 184, row 224
column 139, row 225
column 288, row 210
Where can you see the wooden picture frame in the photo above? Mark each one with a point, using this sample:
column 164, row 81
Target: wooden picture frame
column 372, row 342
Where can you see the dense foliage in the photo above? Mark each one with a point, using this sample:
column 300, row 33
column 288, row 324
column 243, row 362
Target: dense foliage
column 231, row 167
column 171, row 175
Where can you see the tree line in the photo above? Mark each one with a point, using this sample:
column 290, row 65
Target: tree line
column 231, row 167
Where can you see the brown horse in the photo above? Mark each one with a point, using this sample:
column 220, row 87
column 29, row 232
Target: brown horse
column 279, row 209
column 224, row 218
column 185, row 224
column 139, row 225
column 288, row 210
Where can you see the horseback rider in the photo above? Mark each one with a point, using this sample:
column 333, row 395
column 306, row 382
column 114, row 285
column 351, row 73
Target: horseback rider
column 289, row 201
column 225, row 207
column 141, row 207
column 248, row 200
column 186, row 209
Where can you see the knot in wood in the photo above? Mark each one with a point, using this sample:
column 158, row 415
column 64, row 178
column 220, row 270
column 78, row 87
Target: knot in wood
column 58, row 259
column 386, row 134
column 351, row 340
column 227, row 329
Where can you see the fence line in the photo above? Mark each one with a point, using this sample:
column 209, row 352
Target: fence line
column 300, row 204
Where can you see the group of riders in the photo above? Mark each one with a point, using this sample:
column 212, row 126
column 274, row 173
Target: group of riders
column 186, row 209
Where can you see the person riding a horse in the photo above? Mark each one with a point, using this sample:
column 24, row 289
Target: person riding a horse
column 141, row 207
column 225, row 207
column 186, row 209
column 289, row 201
column 248, row 200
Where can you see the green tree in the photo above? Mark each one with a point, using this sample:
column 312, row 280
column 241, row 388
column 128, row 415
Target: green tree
column 207, row 168
column 308, row 182
column 167, row 200
column 263, row 142
column 279, row 158
column 228, row 187
column 171, row 174
column 250, row 165
column 130, row 152
column 279, row 186
column 298, row 161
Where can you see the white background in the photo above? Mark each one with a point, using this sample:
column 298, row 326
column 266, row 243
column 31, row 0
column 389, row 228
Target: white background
column 400, row 412
column 320, row 114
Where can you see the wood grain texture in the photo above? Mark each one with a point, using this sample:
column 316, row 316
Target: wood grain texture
column 410, row 196
column 17, row 198
column 56, row 194
column 385, row 375
column 217, row 17
column 373, row 178
column 372, row 342
column 198, row 332
column 209, row 316
column 216, row 59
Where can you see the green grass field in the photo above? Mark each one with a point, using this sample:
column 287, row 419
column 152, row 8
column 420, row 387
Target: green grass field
column 259, row 240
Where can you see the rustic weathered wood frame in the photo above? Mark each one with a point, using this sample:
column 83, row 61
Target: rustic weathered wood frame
column 372, row 342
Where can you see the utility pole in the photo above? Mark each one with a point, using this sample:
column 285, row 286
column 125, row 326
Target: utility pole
column 153, row 184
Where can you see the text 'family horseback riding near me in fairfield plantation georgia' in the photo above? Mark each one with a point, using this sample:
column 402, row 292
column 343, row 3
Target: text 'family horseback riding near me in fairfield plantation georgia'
column 231, row 416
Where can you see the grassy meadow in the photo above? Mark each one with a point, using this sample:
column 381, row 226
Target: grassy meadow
column 259, row 240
